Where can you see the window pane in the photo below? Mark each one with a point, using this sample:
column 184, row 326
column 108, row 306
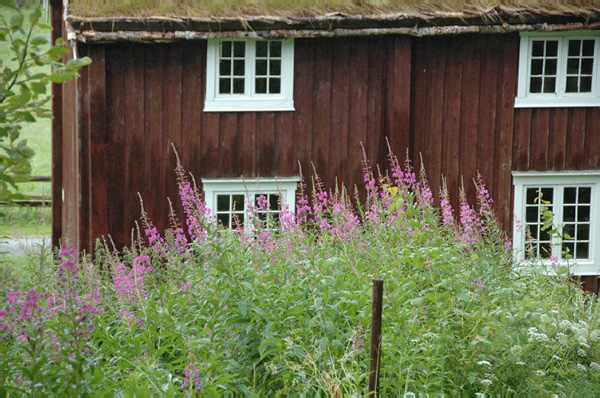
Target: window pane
column 532, row 194
column 275, row 47
column 261, row 48
column 588, row 48
column 585, row 195
column 239, row 49
column 550, row 67
column 238, row 202
column 545, row 250
column 225, row 67
column 274, row 201
column 568, row 248
column 225, row 49
column 261, row 67
column 549, row 84
column 573, row 66
column 583, row 213
column 537, row 49
column 261, row 85
column 585, row 84
column 587, row 66
column 572, row 85
column 569, row 213
column 569, row 229
column 224, row 86
column 238, row 86
column 535, row 85
column 239, row 67
column 222, row 202
column 533, row 230
column 545, row 234
column 574, row 47
column 570, row 195
column 223, row 219
column 552, row 48
column 583, row 232
column 531, row 214
column 548, row 194
column 274, row 86
column 275, row 67
column 583, row 250
column 537, row 67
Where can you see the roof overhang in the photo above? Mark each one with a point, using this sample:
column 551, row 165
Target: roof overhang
column 498, row 19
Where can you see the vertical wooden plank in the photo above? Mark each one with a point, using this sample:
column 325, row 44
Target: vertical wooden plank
column 504, row 130
column 470, row 110
column 433, row 165
column 303, row 103
column 419, row 99
column 154, row 192
column 321, row 111
column 576, row 139
column 398, row 95
column 57, row 135
column 521, row 139
column 487, row 111
column 247, row 129
column 557, row 142
column 228, row 148
column 338, row 137
column 451, row 117
column 135, row 137
column 284, row 144
column 172, row 100
column 192, row 114
column 592, row 140
column 116, row 168
column 540, row 130
column 375, row 95
column 358, row 113
column 265, row 143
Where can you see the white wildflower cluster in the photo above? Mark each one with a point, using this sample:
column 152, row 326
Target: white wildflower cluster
column 581, row 352
column 534, row 335
column 486, row 363
column 520, row 363
column 581, row 367
column 540, row 373
column 595, row 335
column 562, row 338
column 556, row 358
column 594, row 366
column 545, row 318
column 430, row 335
column 486, row 382
column 516, row 350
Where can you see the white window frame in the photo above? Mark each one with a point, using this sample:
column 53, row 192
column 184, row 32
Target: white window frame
column 249, row 101
column 560, row 98
column 287, row 186
column 524, row 180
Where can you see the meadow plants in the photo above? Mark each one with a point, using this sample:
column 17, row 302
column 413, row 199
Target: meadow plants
column 282, row 305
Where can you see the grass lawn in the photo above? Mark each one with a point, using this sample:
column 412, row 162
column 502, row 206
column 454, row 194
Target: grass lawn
column 39, row 138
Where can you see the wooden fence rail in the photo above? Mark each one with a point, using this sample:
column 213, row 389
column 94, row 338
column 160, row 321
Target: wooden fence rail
column 35, row 200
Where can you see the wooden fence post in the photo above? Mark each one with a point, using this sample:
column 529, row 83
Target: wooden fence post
column 375, row 361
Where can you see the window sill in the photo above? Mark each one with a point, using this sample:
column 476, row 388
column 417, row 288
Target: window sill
column 251, row 105
column 556, row 102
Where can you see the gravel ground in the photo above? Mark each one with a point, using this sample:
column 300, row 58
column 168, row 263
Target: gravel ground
column 22, row 246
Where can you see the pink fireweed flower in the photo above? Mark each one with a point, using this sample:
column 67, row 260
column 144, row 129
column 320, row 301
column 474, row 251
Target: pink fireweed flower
column 483, row 198
column 447, row 210
column 481, row 287
column 192, row 379
column 469, row 221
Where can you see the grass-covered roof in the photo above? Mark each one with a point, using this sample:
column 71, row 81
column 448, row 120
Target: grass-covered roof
column 160, row 20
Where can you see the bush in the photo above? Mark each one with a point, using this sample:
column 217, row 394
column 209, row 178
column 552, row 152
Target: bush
column 283, row 305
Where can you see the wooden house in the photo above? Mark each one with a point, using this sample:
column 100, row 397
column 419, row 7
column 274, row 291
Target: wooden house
column 511, row 92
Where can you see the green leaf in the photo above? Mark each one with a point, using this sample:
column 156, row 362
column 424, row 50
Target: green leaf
column 17, row 20
column 78, row 63
column 38, row 40
column 38, row 88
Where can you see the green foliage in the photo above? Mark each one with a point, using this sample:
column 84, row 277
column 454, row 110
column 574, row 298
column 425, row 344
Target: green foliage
column 24, row 88
column 284, row 307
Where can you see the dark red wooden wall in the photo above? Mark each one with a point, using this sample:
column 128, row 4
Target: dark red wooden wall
column 464, row 120
column 449, row 99
column 137, row 100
